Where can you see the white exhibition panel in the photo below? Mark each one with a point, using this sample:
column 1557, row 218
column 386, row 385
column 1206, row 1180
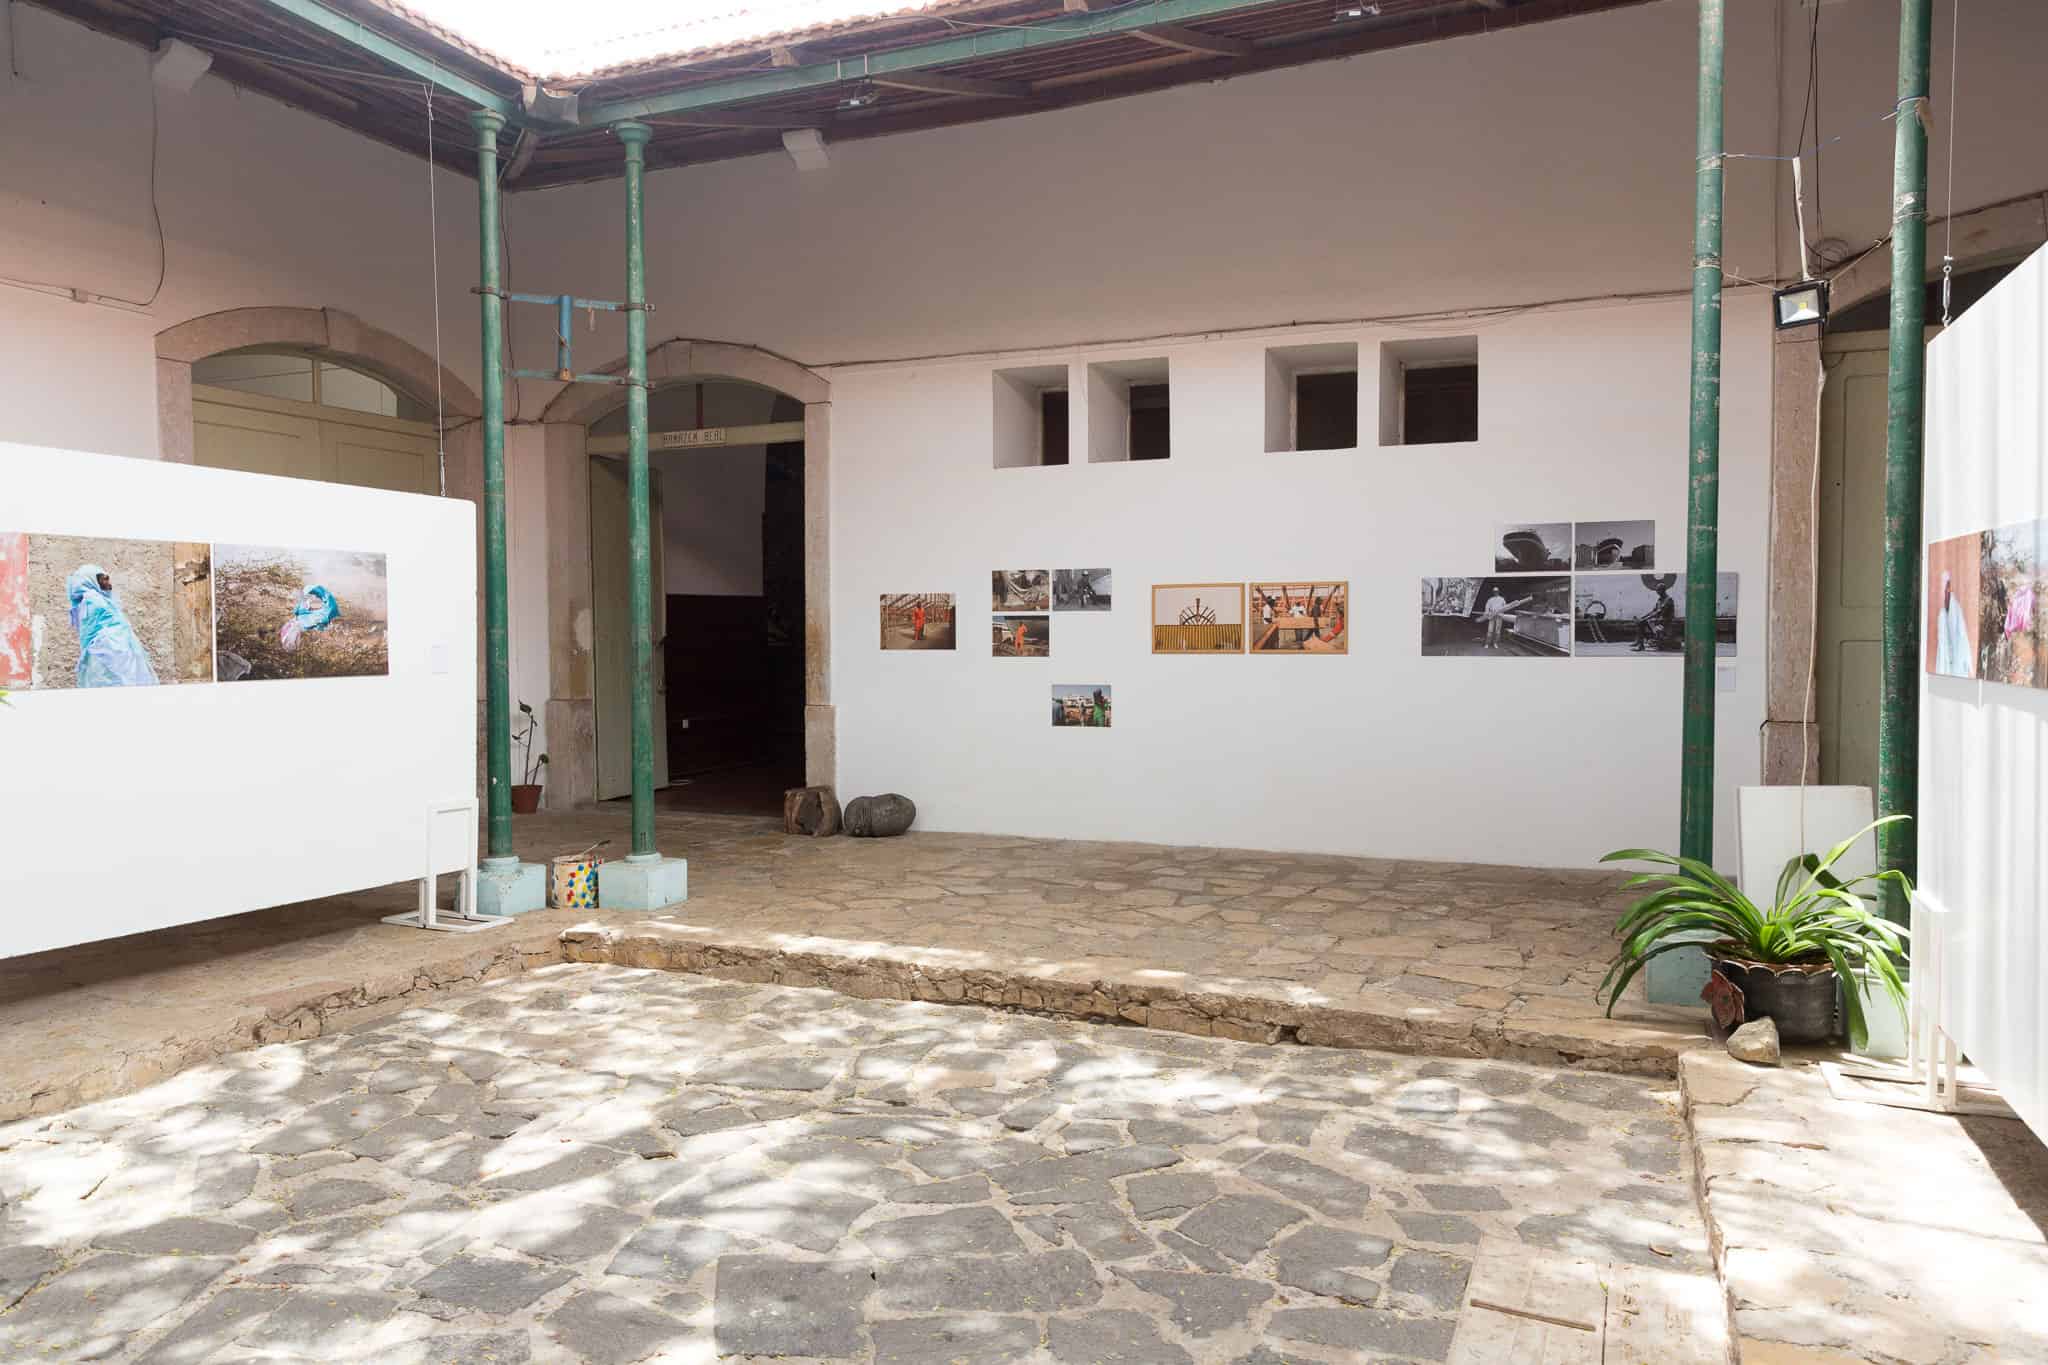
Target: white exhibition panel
column 129, row 809
column 1984, row 746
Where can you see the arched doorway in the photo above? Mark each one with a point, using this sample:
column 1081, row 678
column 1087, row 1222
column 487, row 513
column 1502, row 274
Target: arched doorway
column 742, row 710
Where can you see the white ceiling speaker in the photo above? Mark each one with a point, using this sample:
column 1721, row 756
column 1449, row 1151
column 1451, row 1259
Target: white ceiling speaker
column 806, row 147
column 176, row 65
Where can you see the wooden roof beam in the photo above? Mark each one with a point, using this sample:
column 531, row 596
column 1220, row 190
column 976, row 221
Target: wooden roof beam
column 1188, row 40
column 939, row 83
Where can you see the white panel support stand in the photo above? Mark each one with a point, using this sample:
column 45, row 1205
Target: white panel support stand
column 1931, row 1077
column 464, row 919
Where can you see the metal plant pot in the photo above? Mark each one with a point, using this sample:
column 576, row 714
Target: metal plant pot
column 1805, row 1004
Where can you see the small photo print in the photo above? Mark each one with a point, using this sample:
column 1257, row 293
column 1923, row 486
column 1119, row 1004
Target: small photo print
column 1020, row 589
column 1198, row 618
column 1954, row 613
column 1497, row 618
column 2011, row 590
column 1628, row 545
column 1300, row 618
column 290, row 613
column 1533, row 547
column 1643, row 615
column 1020, row 637
column 1081, row 704
column 89, row 611
column 1080, row 590
column 917, row 620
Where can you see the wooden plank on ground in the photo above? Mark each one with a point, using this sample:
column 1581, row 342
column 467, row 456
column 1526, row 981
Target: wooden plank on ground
column 1665, row 1317
column 1526, row 1305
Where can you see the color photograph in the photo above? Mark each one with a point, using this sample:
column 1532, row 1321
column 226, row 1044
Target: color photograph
column 1085, row 705
column 1020, row 589
column 1080, row 590
column 1020, row 637
column 1533, row 547
column 917, row 620
column 1630, row 545
column 1643, row 615
column 1198, row 618
column 1523, row 618
column 2009, row 644
column 88, row 611
column 289, row 613
column 1954, row 570
column 1300, row 618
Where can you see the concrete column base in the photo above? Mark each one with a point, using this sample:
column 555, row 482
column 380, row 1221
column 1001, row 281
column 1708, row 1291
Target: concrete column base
column 1677, row 978
column 643, row 882
column 510, row 887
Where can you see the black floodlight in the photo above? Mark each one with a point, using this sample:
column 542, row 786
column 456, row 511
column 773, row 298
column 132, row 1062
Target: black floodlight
column 1804, row 304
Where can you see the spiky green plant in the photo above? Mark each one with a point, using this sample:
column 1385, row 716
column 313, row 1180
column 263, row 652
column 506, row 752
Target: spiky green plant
column 1814, row 918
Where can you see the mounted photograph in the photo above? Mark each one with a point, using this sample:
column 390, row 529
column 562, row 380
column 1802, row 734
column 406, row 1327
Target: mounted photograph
column 89, row 611
column 1497, row 617
column 1081, row 705
column 1619, row 545
column 1300, row 618
column 917, row 620
column 1198, row 618
column 1644, row 615
column 2011, row 587
column 289, row 613
column 1533, row 547
column 1020, row 589
column 1080, row 590
column 1020, row 637
column 1955, row 570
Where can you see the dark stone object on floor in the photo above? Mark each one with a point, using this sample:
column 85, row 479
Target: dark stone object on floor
column 810, row 810
column 878, row 817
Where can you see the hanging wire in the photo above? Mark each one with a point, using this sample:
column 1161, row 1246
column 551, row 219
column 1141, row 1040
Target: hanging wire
column 1948, row 232
column 434, row 252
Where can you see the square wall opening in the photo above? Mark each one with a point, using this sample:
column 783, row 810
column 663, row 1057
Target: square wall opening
column 1312, row 397
column 1129, row 412
column 1429, row 391
column 1031, row 416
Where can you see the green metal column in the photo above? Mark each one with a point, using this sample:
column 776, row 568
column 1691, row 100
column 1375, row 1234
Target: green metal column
column 497, row 629
column 1703, row 467
column 639, row 532
column 1898, row 728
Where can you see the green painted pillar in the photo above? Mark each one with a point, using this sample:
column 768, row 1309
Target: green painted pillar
column 497, row 627
column 1703, row 464
column 1898, row 727
column 639, row 494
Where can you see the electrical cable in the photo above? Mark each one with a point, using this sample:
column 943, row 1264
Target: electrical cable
column 1948, row 238
column 434, row 251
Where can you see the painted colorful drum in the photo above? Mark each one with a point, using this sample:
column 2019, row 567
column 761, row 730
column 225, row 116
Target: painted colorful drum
column 572, row 884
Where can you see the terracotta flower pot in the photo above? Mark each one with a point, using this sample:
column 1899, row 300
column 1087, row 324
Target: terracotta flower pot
column 1804, row 1002
column 525, row 798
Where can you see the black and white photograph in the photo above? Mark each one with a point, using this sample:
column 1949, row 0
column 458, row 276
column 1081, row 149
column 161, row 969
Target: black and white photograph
column 1499, row 617
column 1643, row 615
column 1533, row 547
column 1020, row 637
column 1020, row 589
column 1620, row 545
column 1080, row 590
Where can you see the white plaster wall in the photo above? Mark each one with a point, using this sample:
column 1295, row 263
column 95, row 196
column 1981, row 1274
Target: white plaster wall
column 1381, row 752
column 262, row 204
column 1984, row 746
column 136, row 808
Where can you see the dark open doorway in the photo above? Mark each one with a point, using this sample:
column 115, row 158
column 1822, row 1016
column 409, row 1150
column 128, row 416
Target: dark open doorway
column 732, row 657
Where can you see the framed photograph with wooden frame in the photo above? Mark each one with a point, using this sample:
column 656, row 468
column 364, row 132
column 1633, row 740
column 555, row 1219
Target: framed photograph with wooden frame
column 1300, row 617
column 1198, row 618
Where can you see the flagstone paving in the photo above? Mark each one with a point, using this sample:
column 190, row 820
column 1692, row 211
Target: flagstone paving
column 594, row 1163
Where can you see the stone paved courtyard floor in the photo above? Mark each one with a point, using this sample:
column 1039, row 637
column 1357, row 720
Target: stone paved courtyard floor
column 604, row 1164
column 1442, row 958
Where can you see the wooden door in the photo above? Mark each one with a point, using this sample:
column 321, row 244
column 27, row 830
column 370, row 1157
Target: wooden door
column 610, row 580
column 262, row 435
column 1850, row 659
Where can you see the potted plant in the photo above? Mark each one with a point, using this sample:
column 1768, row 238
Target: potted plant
column 1791, row 959
column 526, row 792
